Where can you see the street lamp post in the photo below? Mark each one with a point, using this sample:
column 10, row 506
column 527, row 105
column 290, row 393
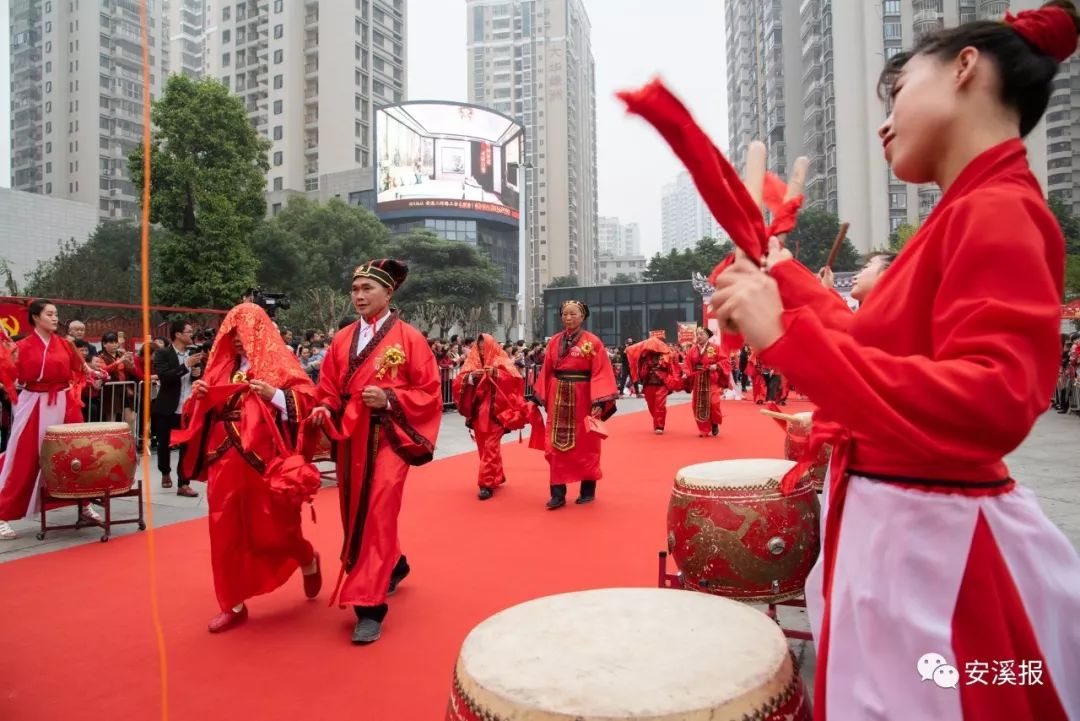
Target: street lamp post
column 523, row 247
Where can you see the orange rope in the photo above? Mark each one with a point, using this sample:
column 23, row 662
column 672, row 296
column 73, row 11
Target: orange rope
column 155, row 606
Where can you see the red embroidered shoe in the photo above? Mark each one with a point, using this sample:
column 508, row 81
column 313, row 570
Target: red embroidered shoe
column 313, row 583
column 227, row 619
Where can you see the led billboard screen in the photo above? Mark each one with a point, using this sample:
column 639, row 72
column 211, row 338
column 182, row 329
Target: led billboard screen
column 434, row 157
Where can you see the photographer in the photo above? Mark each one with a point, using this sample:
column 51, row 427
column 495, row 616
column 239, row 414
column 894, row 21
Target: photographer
column 176, row 368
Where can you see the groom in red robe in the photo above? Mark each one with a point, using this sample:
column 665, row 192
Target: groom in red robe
column 380, row 382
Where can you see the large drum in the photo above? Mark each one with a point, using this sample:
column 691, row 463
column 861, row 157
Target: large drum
column 84, row 460
column 732, row 533
column 797, row 441
column 627, row 653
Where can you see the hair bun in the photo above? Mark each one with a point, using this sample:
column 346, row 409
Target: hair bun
column 1052, row 29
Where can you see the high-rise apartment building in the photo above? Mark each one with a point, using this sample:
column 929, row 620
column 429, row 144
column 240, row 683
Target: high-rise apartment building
column 77, row 97
column 631, row 239
column 684, row 217
column 310, row 75
column 532, row 60
column 609, row 236
column 185, row 28
column 830, row 70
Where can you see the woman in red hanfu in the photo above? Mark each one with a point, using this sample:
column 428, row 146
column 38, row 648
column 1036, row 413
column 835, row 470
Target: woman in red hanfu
column 51, row 373
column 653, row 364
column 490, row 392
column 576, row 383
column 932, row 555
column 709, row 373
column 243, row 416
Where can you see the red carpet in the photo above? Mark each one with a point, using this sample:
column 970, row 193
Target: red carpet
column 78, row 642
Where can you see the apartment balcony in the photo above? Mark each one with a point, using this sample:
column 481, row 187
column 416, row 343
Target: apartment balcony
column 311, row 170
column 311, row 121
column 311, row 149
column 311, row 20
column 120, row 54
column 311, row 68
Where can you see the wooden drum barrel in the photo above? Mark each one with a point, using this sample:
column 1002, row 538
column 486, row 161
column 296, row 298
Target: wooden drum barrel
column 627, row 653
column 84, row 460
column 797, row 441
column 732, row 533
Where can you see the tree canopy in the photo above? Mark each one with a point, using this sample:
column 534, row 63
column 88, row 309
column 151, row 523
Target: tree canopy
column 899, row 237
column 1070, row 224
column 813, row 237
column 622, row 279
column 681, row 265
column 564, row 281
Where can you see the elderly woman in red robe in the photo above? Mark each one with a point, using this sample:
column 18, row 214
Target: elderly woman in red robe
column 490, row 392
column 653, row 364
column 709, row 372
column 576, row 384
column 51, row 372
column 243, row 415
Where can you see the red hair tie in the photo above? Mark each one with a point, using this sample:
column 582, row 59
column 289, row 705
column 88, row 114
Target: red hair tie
column 1050, row 29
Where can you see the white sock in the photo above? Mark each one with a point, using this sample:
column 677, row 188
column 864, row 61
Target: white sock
column 238, row 608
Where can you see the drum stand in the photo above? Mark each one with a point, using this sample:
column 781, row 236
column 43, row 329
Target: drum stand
column 105, row 501
column 675, row 580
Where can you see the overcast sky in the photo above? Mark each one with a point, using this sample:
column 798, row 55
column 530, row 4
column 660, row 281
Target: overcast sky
column 632, row 41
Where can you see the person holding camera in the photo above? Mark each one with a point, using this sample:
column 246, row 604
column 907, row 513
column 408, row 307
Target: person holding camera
column 176, row 368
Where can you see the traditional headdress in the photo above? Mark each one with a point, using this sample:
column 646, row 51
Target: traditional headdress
column 385, row 271
column 271, row 360
column 1051, row 30
column 584, row 308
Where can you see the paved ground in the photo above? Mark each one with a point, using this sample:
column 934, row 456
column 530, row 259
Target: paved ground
column 1048, row 462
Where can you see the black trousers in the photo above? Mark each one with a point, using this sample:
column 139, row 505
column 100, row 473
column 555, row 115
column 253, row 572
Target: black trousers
column 378, row 613
column 163, row 426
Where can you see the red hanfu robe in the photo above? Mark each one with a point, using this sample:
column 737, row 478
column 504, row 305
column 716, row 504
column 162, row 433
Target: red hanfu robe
column 52, row 373
column 575, row 378
column 755, row 370
column 256, row 542
column 652, row 365
column 707, row 384
column 949, row 362
column 373, row 463
column 490, row 393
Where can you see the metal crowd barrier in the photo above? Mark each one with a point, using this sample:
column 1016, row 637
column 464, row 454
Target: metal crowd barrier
column 447, row 375
column 116, row 401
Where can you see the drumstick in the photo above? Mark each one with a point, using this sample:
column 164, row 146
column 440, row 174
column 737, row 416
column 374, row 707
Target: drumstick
column 780, row 416
column 754, row 173
column 836, row 244
column 798, row 177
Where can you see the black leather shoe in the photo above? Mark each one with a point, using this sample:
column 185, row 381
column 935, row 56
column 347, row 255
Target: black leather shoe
column 485, row 493
column 582, row 500
column 401, row 570
column 556, row 502
column 715, row 429
column 367, row 630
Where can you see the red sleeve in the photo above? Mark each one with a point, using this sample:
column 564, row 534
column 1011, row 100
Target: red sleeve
column 415, row 409
column 800, row 288
column 543, row 379
column 995, row 327
column 602, row 384
column 329, row 390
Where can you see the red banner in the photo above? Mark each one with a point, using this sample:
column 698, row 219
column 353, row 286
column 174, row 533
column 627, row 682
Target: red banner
column 13, row 318
column 475, row 206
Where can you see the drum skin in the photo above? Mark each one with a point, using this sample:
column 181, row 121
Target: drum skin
column 618, row 653
column 745, row 542
column 84, row 460
column 796, row 442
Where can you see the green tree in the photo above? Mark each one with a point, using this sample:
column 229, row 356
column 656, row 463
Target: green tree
column 310, row 245
column 105, row 266
column 448, row 281
column 899, row 237
column 681, row 265
column 208, row 173
column 564, row 281
column 1070, row 224
column 1072, row 276
column 621, row 279
column 813, row 238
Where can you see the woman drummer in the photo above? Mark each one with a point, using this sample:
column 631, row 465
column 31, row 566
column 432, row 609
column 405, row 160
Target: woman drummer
column 51, row 373
column 926, row 533
column 575, row 383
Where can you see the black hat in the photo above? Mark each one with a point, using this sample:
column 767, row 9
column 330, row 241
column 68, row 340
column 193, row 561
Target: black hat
column 387, row 271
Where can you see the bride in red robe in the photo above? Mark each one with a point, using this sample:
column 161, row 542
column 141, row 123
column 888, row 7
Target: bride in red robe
column 655, row 366
column 51, row 372
column 490, row 392
column 575, row 383
column 710, row 373
column 253, row 389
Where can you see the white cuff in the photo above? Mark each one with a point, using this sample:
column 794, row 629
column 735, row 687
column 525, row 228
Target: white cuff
column 278, row 401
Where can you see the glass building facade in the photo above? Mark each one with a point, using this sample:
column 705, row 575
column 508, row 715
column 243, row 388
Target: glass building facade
column 618, row 312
